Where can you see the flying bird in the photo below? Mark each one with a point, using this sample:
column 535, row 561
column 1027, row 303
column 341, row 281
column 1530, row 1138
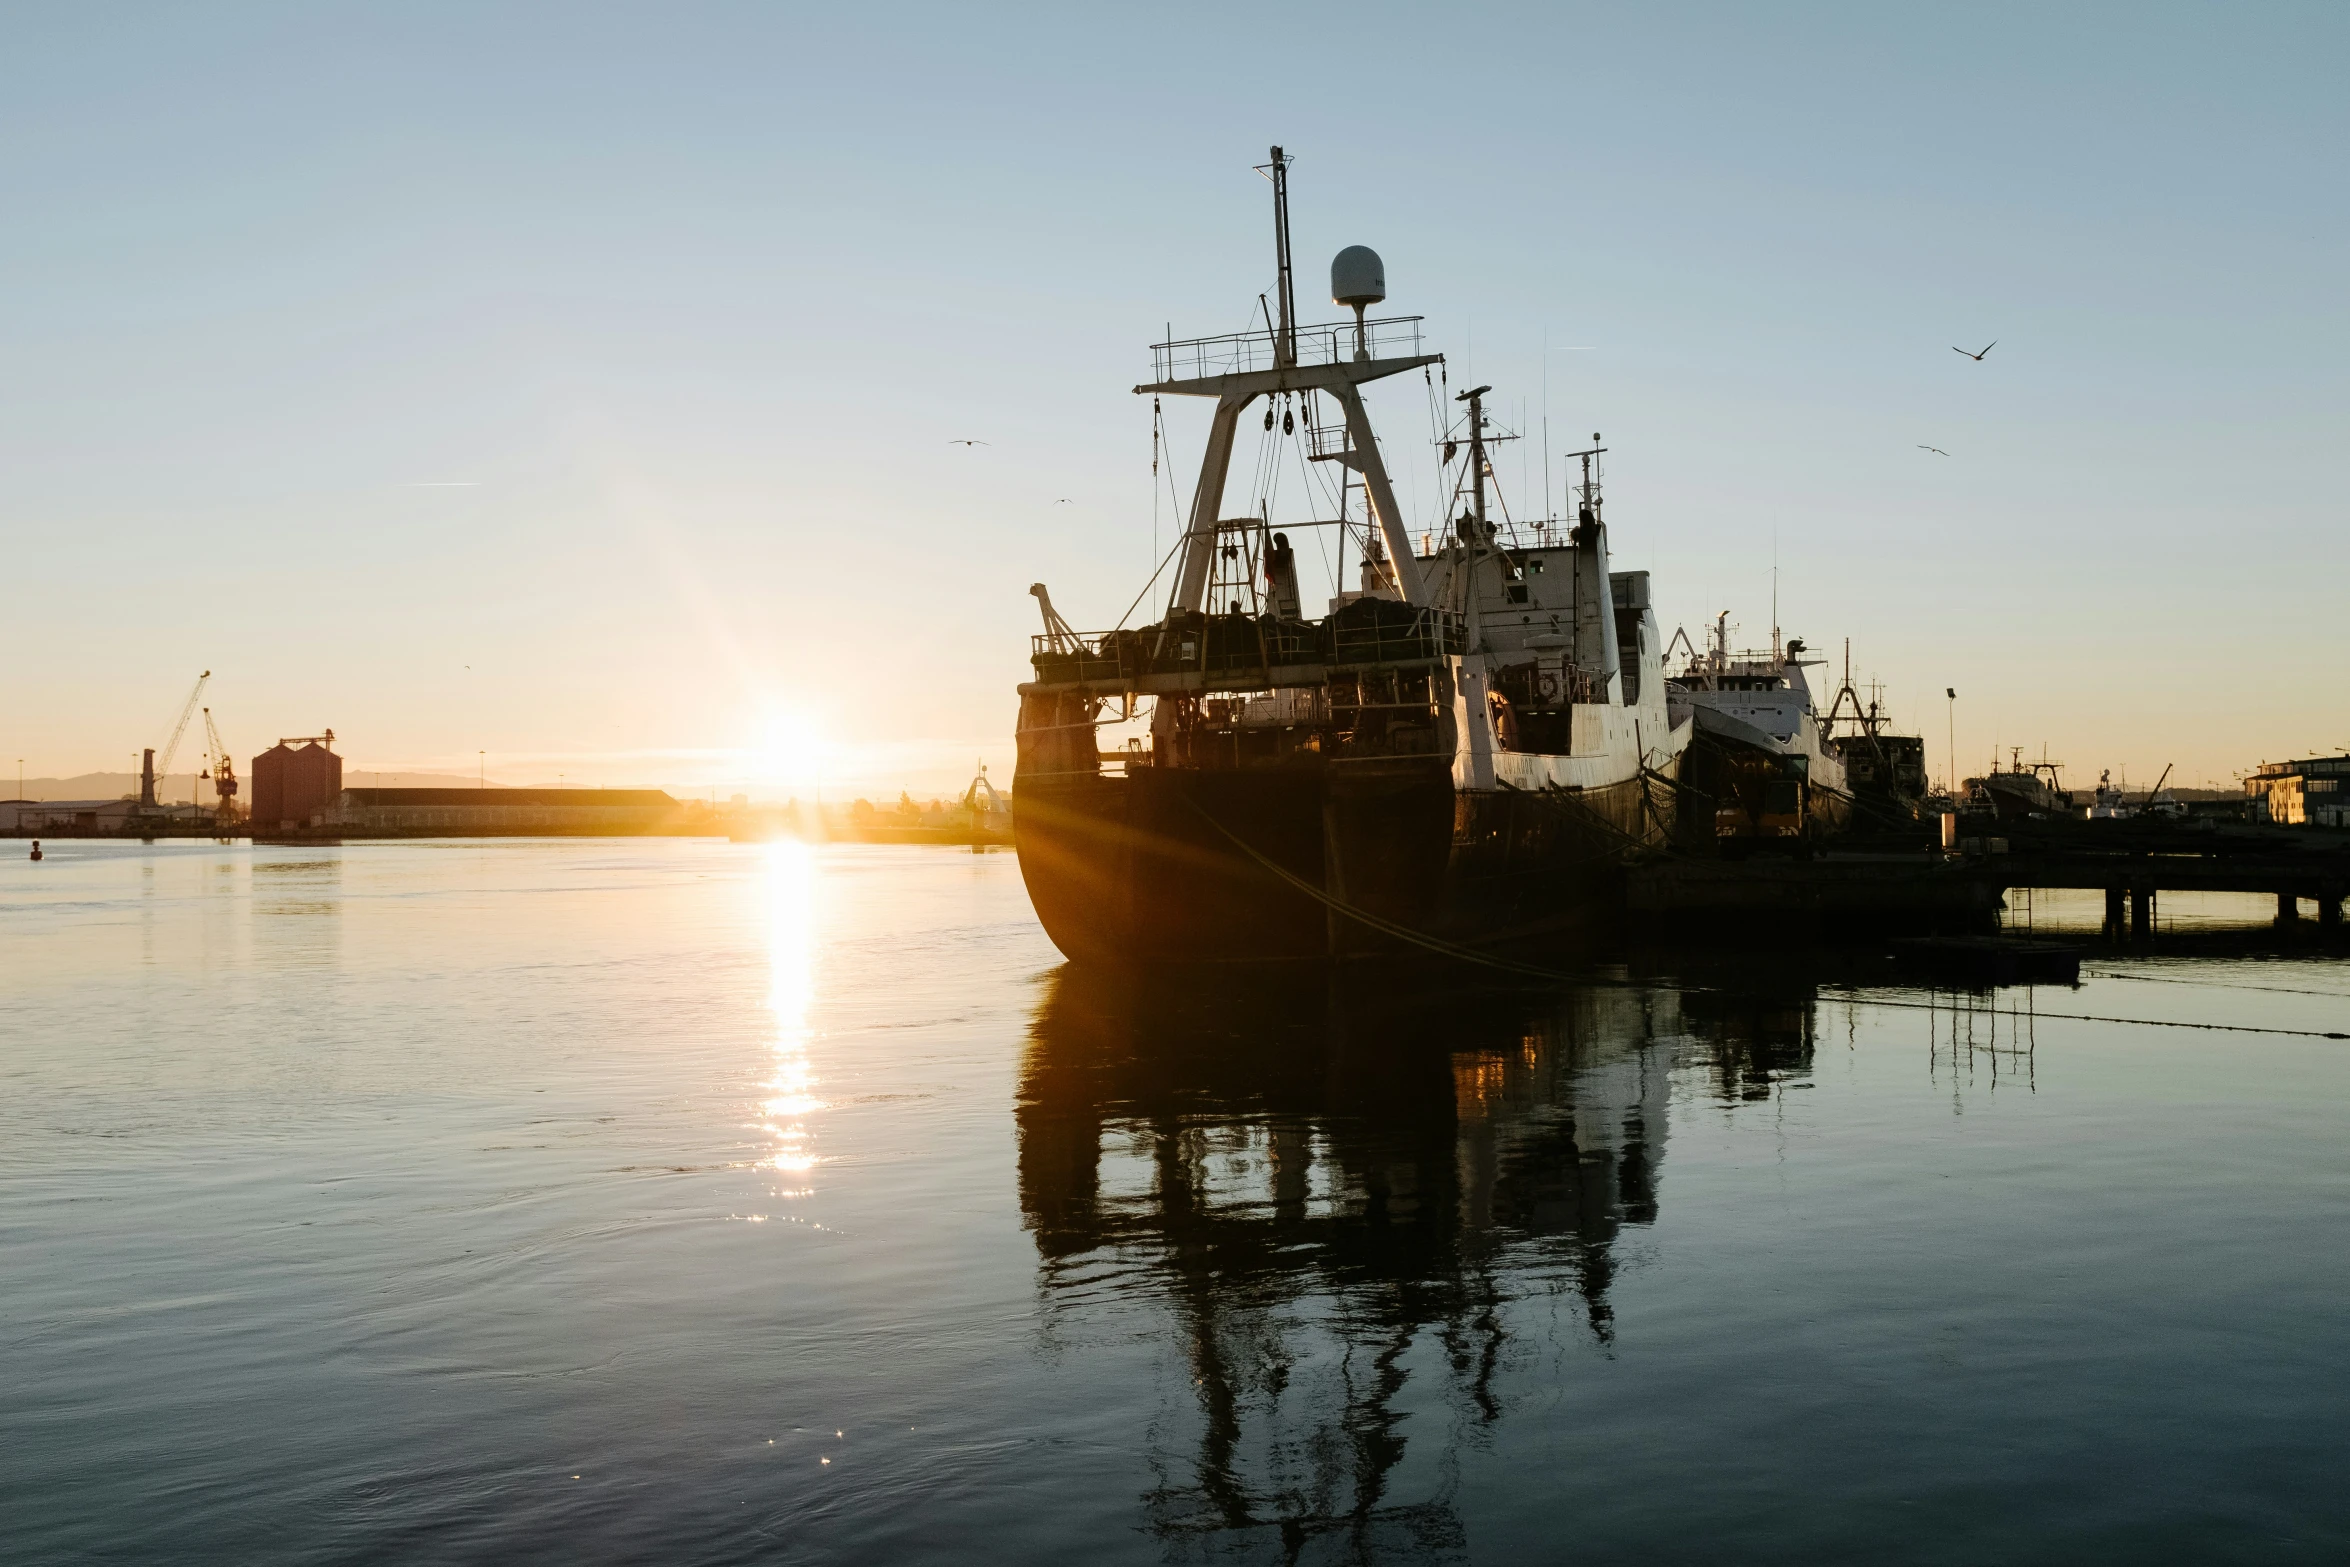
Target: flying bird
column 1978, row 358
column 1936, row 450
column 991, row 443
column 1064, row 501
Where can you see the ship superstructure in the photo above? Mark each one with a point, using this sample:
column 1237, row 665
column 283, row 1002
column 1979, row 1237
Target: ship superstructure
column 1885, row 770
column 1470, row 742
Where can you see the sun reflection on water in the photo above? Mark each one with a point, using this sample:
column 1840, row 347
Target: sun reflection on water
column 791, row 956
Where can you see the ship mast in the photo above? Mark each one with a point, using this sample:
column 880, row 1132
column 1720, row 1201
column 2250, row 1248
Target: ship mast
column 1285, row 338
column 1475, row 398
column 1228, row 370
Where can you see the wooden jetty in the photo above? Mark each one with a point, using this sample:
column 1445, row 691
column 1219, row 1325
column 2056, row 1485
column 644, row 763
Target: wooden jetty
column 1888, row 886
column 1819, row 895
column 2134, row 861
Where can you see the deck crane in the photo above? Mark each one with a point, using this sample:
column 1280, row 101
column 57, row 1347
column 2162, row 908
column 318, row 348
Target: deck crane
column 223, row 773
column 152, row 772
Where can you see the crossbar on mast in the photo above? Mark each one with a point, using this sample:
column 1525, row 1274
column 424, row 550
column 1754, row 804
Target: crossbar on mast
column 1229, row 370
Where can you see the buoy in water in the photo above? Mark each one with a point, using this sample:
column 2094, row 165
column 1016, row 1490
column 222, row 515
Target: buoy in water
column 36, row 848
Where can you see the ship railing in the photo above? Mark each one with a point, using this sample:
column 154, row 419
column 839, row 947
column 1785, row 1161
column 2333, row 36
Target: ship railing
column 1431, row 634
column 1230, row 645
column 1328, row 442
column 1327, row 343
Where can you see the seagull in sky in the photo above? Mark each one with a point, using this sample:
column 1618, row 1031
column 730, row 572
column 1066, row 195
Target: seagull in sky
column 1064, row 501
column 991, row 443
column 1936, row 450
column 1977, row 358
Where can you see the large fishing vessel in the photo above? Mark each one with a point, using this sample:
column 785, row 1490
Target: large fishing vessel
column 1469, row 745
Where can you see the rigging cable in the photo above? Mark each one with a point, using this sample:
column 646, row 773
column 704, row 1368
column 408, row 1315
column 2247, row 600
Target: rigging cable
column 1164, row 561
column 1305, row 469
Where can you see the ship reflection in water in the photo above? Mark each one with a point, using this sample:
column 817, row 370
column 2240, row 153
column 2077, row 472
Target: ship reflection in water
column 1334, row 1196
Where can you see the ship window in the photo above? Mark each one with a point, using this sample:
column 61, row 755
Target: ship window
column 1517, row 593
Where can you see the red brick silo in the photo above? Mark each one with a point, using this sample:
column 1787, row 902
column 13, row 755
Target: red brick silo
column 295, row 781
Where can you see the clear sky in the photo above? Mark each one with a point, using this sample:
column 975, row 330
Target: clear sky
column 575, row 383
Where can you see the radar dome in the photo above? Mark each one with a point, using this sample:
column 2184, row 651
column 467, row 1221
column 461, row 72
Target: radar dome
column 1357, row 277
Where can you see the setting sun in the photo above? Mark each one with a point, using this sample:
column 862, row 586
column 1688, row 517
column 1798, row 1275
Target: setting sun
column 791, row 750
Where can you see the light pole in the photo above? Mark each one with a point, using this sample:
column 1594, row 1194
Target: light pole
column 1951, row 693
column 481, row 777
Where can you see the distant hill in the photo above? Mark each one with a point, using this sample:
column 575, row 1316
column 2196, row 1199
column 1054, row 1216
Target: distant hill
column 354, row 779
column 88, row 786
column 175, row 788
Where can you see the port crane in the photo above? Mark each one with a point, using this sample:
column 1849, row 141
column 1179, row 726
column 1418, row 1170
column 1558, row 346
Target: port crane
column 171, row 748
column 223, row 773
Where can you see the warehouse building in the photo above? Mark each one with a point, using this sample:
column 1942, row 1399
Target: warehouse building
column 33, row 817
column 2312, row 793
column 394, row 813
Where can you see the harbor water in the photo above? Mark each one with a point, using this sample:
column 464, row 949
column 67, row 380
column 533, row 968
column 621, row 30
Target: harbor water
column 682, row 1201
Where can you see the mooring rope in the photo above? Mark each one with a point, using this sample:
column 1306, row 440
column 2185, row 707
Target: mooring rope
column 1567, row 808
column 2217, row 984
column 1366, row 918
column 2089, row 1017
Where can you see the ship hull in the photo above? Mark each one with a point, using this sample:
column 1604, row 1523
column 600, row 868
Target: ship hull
column 1734, row 777
column 1312, row 863
column 2023, row 799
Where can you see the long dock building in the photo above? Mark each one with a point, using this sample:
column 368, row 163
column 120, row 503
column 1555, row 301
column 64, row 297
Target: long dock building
column 399, row 813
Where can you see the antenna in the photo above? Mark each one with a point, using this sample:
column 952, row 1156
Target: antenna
column 1776, row 655
column 1546, row 511
column 1475, row 398
column 1285, row 335
column 1587, row 504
